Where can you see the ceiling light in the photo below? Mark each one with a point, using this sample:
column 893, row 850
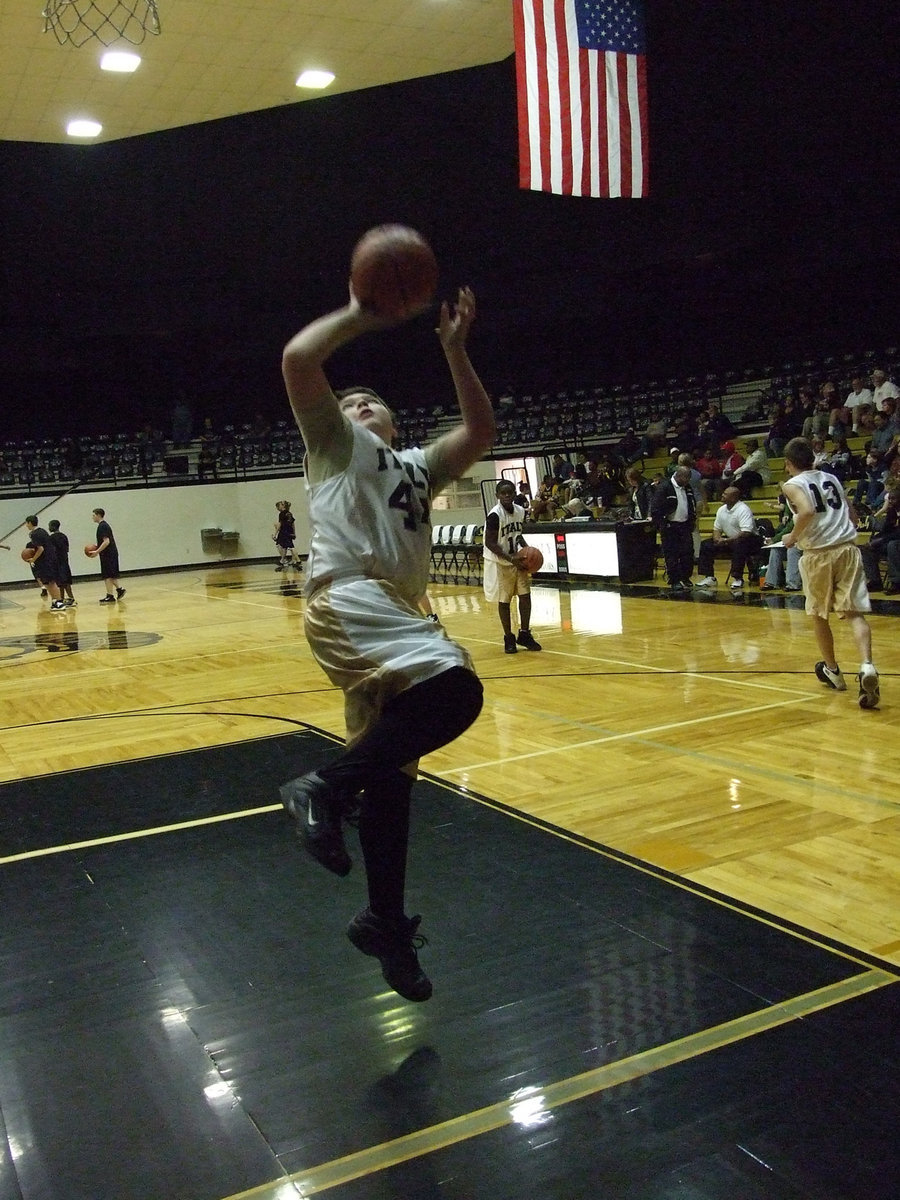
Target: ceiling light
column 83, row 128
column 315, row 79
column 120, row 60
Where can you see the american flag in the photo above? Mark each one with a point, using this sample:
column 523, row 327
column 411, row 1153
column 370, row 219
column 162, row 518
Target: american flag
column 582, row 96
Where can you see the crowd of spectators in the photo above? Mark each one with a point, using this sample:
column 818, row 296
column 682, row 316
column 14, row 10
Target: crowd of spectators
column 609, row 478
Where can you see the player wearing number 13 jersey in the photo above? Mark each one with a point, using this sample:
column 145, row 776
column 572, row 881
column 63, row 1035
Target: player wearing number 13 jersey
column 408, row 689
column 831, row 567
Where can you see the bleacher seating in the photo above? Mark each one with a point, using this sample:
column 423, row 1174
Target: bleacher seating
column 537, row 422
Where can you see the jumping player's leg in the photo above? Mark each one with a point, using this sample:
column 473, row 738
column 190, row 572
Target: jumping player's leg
column 384, row 840
column 418, row 721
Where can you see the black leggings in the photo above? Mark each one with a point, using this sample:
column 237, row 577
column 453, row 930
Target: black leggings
column 419, row 720
column 413, row 724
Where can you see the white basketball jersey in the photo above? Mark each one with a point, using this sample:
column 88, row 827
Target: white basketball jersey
column 510, row 528
column 831, row 524
column 373, row 519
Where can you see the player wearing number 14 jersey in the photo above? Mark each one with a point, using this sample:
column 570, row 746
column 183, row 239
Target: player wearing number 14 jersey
column 831, row 567
column 408, row 689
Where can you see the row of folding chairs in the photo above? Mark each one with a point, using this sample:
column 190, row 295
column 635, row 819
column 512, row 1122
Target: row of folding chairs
column 454, row 547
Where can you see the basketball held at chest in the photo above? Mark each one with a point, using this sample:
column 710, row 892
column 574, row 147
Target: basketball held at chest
column 90, row 549
column 393, row 271
column 28, row 554
column 531, row 559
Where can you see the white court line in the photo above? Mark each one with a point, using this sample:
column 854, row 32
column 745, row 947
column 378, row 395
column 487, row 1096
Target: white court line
column 646, row 667
column 621, row 737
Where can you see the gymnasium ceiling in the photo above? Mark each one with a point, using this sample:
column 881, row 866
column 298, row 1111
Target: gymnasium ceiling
column 218, row 58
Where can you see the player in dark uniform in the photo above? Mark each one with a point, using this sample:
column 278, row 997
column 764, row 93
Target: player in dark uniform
column 108, row 553
column 64, row 571
column 44, row 564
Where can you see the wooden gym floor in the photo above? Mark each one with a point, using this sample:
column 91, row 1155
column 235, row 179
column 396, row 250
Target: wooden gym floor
column 659, row 877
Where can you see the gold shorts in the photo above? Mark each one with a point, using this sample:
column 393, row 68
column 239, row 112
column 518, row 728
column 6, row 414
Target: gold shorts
column 373, row 645
column 834, row 581
column 502, row 581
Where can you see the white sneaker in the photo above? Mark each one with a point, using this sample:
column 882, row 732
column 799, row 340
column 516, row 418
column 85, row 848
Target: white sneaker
column 709, row 581
column 833, row 679
column 869, row 690
column 736, row 584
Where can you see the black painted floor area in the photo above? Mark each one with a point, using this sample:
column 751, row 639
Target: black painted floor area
column 182, row 1017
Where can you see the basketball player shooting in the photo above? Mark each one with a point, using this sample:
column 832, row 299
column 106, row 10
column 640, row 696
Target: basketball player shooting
column 408, row 688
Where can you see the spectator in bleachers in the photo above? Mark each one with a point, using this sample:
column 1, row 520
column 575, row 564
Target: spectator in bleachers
column 869, row 491
column 686, row 431
column 838, row 416
column 786, row 423
column 577, row 503
column 561, row 469
column 731, row 460
column 865, row 421
column 710, row 467
column 754, row 472
column 783, row 568
column 807, row 401
column 672, row 464
column 543, row 506
column 840, row 459
column 654, row 437
column 884, row 543
column 818, row 419
column 151, row 447
column 821, row 460
column 602, row 483
column 714, row 426
column 890, row 411
column 629, row 448
column 523, row 496
column 261, row 426
column 882, row 389
column 858, row 397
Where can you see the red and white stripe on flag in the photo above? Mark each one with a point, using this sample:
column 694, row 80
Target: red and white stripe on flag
column 582, row 113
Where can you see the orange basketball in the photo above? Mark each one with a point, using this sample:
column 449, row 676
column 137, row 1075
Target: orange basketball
column 531, row 559
column 28, row 554
column 393, row 271
column 90, row 550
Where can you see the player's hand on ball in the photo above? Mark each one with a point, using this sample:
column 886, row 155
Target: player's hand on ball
column 368, row 320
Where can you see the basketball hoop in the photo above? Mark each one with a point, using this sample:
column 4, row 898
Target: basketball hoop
column 77, row 21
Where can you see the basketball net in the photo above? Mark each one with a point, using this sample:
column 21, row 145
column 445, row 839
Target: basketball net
column 77, row 21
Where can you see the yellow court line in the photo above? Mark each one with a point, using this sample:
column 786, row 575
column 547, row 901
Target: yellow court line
column 619, row 737
column 339, row 1171
column 138, row 833
column 683, row 883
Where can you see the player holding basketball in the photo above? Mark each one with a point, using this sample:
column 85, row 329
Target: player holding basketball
column 504, row 575
column 408, row 689
column 834, row 579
